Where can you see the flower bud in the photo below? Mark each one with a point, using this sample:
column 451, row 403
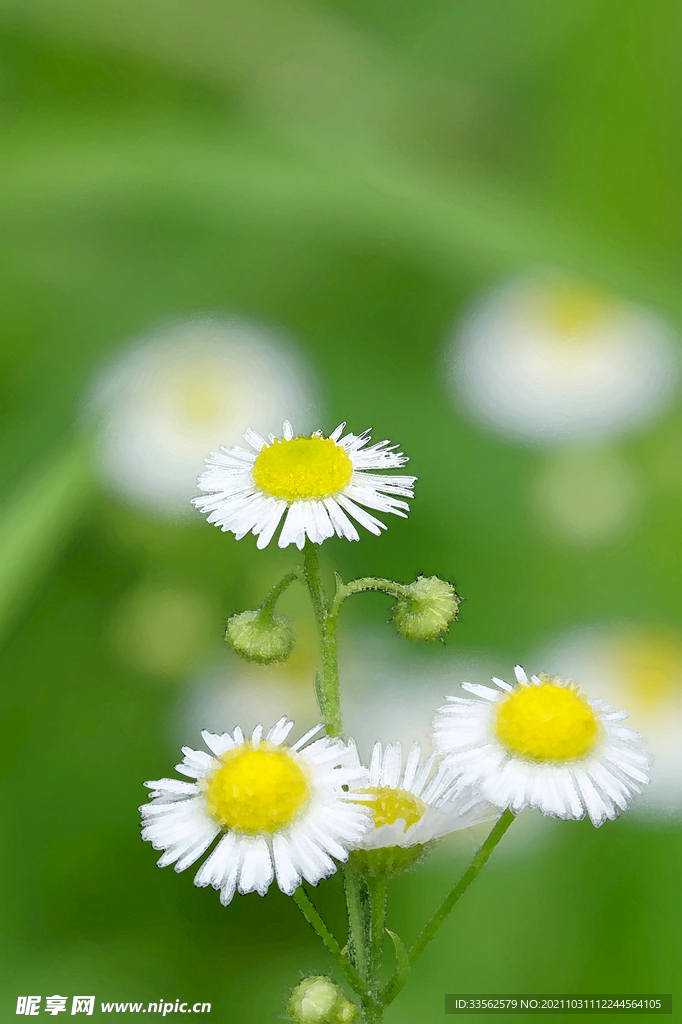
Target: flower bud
column 263, row 639
column 318, row 1000
column 426, row 610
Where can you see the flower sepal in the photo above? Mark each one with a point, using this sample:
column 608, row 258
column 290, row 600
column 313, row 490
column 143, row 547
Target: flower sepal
column 387, row 861
column 426, row 610
column 260, row 636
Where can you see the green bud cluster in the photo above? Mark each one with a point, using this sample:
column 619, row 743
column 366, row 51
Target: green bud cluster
column 426, row 610
column 317, row 1000
column 260, row 637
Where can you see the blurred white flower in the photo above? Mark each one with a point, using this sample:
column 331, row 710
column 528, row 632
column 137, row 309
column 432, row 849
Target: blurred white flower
column 184, row 390
column 547, row 359
column 585, row 495
column 640, row 667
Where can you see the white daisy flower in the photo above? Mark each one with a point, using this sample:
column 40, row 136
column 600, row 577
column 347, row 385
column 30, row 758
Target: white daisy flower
column 317, row 481
column 547, row 359
column 542, row 744
column 415, row 804
column 281, row 811
column 640, row 665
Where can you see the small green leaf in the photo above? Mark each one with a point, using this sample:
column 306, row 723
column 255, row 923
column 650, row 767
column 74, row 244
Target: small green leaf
column 398, row 980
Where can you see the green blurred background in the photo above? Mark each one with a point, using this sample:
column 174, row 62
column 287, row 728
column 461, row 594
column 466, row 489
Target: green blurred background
column 352, row 174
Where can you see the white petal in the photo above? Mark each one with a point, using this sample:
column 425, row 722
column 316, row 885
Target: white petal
column 215, row 868
column 288, row 877
column 280, row 731
column 192, row 854
column 392, row 764
column 308, row 736
column 219, row 743
column 599, row 807
column 312, row 863
column 365, row 519
column 257, row 871
column 411, row 766
column 253, row 438
column 486, row 692
column 340, row 521
column 375, row 766
column 171, row 788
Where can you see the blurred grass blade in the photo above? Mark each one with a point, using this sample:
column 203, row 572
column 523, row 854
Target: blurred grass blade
column 36, row 521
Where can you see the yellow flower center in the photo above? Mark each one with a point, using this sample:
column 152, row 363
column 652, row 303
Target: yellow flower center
column 391, row 804
column 303, row 468
column 649, row 663
column 199, row 399
column 257, row 790
column 575, row 310
column 546, row 723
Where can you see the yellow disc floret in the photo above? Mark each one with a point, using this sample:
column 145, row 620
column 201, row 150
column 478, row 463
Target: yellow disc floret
column 302, row 468
column 391, row 804
column 549, row 722
column 260, row 789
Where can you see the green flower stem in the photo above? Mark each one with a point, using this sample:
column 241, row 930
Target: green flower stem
column 344, row 590
column 269, row 603
column 358, row 919
column 360, row 903
column 327, row 679
column 503, row 823
column 377, row 891
column 307, row 908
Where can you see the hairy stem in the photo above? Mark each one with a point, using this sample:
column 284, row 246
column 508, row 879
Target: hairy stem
column 327, row 681
column 503, row 823
column 310, row 913
column 377, row 890
column 269, row 603
column 345, row 590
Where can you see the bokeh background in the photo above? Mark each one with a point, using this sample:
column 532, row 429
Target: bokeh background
column 456, row 222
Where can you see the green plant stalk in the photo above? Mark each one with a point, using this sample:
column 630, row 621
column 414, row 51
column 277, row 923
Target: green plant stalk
column 374, row 924
column 310, row 913
column 378, row 893
column 345, row 590
column 501, row 826
column 329, row 699
column 364, row 950
column 327, row 680
column 358, row 920
column 268, row 604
